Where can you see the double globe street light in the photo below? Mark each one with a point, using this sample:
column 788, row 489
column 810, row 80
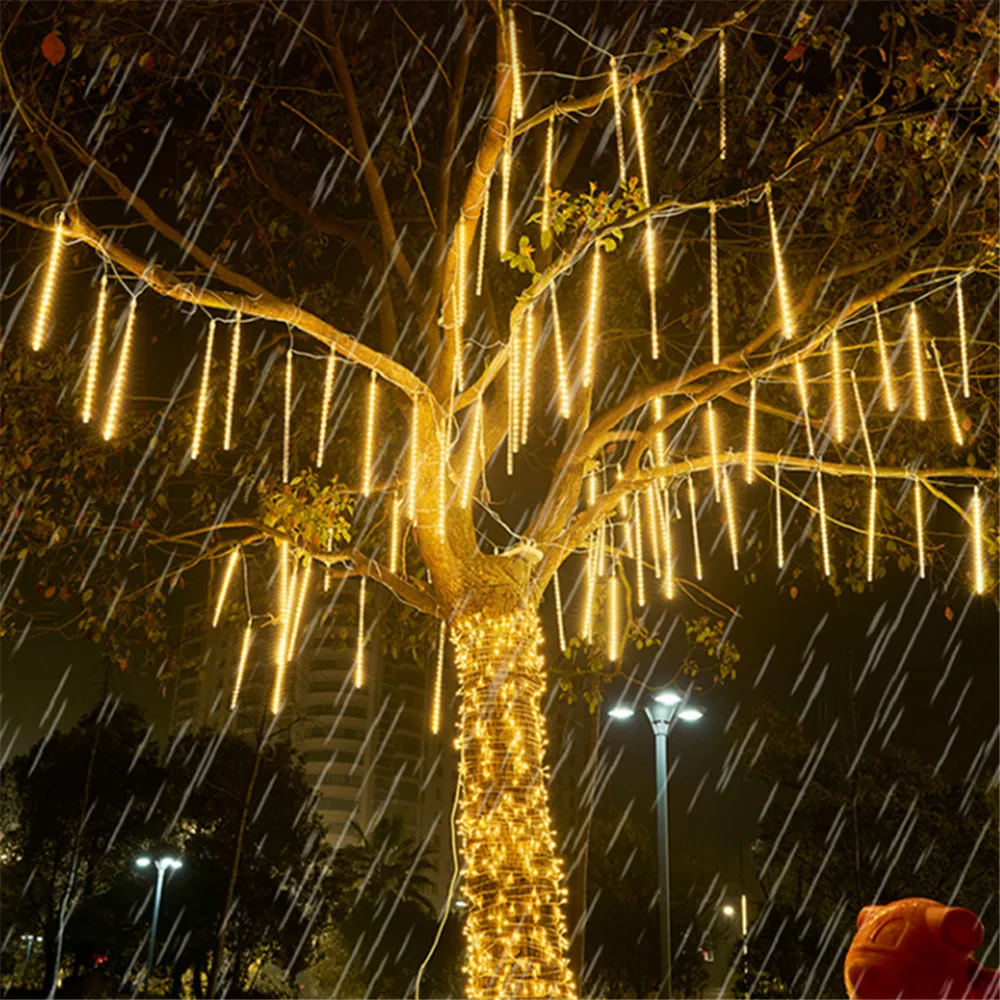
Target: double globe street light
column 164, row 863
column 666, row 707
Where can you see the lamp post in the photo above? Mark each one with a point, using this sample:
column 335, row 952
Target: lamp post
column 163, row 864
column 666, row 707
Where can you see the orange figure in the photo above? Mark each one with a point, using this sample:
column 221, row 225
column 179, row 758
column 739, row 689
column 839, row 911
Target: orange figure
column 916, row 949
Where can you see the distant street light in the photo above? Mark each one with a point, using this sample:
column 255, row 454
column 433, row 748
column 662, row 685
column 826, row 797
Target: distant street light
column 661, row 714
column 163, row 865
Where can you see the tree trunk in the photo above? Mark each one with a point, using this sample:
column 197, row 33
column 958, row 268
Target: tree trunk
column 220, row 937
column 515, row 928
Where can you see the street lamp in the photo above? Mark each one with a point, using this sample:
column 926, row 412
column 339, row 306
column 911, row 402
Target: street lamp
column 666, row 706
column 163, row 864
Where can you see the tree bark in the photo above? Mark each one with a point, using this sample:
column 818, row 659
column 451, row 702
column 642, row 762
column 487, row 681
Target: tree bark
column 515, row 928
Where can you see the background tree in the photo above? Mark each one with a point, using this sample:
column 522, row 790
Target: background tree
column 870, row 126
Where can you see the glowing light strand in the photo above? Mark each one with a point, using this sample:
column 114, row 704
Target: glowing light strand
column 863, row 423
column 241, row 666
column 324, row 412
column 963, row 337
column 414, row 467
column 640, row 568
column 784, row 301
column 562, row 377
column 517, row 104
column 730, row 510
column 640, row 137
column 872, row 511
column 234, row 364
column 669, row 586
column 359, row 649
column 713, row 446
column 284, row 645
column 121, row 371
column 206, row 374
column 779, row 526
column 41, row 329
column 593, row 304
column 458, row 305
column 438, row 680
column 394, row 533
column 505, row 171
column 527, row 382
column 917, row 360
column 956, row 429
column 918, row 518
column 824, row 538
column 751, row 431
column 299, row 605
column 96, row 346
column 722, row 95
column 560, row 625
column 713, row 266
column 654, row 536
column 469, row 473
column 612, row 607
column 800, row 381
column 279, row 654
column 884, row 362
column 227, row 577
column 547, row 176
column 286, row 445
column 978, row 558
column 588, row 598
column 693, row 507
column 839, row 422
column 483, row 222
column 616, row 100
column 369, row 448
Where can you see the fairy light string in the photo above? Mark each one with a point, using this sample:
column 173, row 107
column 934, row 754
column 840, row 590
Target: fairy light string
column 693, row 507
column 917, row 361
column 96, row 346
column 234, row 364
column 227, row 577
column 956, row 429
column 121, row 372
column 593, row 306
column 287, row 432
column 884, row 362
column 963, row 336
column 784, row 299
column 713, row 264
column 562, row 376
column 42, row 317
column 324, row 412
column 206, row 374
column 368, row 454
column 438, row 680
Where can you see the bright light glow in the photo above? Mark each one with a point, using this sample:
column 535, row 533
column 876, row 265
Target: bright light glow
column 118, row 383
column 693, row 505
column 206, row 374
column 514, row 397
column 562, row 378
column 640, row 568
column 588, row 598
column 547, row 174
column 591, row 488
column 442, row 482
column 557, row 597
column 48, row 287
column 512, row 879
column 326, row 566
column 324, row 412
column 299, row 605
column 616, row 100
column 359, row 648
column 883, row 356
column 285, row 647
column 369, row 452
column 414, row 462
column 839, row 422
column 283, row 588
column 227, row 576
column 517, row 105
column 621, row 712
column 956, row 430
column 654, row 535
column 690, row 714
column 917, row 360
column 863, row 422
column 529, row 371
column 286, row 445
column 800, row 380
column 483, row 222
column 458, row 304
column 394, row 535
column 506, row 162
column 872, row 510
column 978, row 560
column 823, row 536
column 668, row 698
column 779, row 527
column 438, row 680
column 659, row 442
column 173, row 862
column 612, row 606
column 730, row 510
column 593, row 303
column 96, row 346
column 963, row 337
column 234, row 364
column 241, row 667
column 729, row 911
column 713, row 447
column 918, row 518
column 751, row 431
column 669, row 589
column 713, row 268
column 722, row 95
column 640, row 140
column 787, row 318
column 143, row 862
column 468, row 475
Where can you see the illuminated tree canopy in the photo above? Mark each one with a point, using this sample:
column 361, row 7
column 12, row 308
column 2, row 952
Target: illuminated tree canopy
column 471, row 295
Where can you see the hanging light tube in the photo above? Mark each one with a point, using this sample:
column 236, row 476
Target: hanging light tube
column 800, row 379
column 884, row 362
column 118, row 383
column 468, row 475
column 778, row 522
column 515, row 389
column 730, row 511
column 751, row 431
column 693, row 505
column 659, row 442
column 654, row 535
column 669, row 588
column 369, row 449
column 444, row 444
column 956, row 430
column 96, row 346
column 286, row 445
column 547, row 176
column 394, row 532
column 863, row 423
column 557, row 596
column 324, row 413
column 823, row 535
column 438, row 680
column 619, row 131
column 978, row 559
column 612, row 605
column 359, row 649
column 48, row 287
column 872, row 509
column 963, row 337
column 588, row 600
column 839, row 422
column 713, row 446
column 241, row 667
column 285, row 625
column 917, row 360
column 562, row 378
column 206, row 374
column 713, row 268
column 234, row 364
column 723, row 139
column 279, row 656
column 506, row 164
column 640, row 136
column 326, row 566
column 483, row 222
column 590, row 344
column 784, row 301
column 529, row 371
column 227, row 577
column 517, row 105
column 414, row 463
column 918, row 517
column 640, row 568
column 299, row 605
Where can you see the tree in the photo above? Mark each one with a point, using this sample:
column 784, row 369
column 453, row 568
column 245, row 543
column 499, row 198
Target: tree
column 859, row 176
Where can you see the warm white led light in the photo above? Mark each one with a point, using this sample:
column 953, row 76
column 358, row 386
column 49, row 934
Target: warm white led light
column 800, row 380
column 669, row 584
column 918, row 519
column 529, row 371
column 956, row 430
column 588, row 599
column 283, row 588
column 917, row 360
column 640, row 139
column 483, row 222
column 779, row 527
column 619, row 131
column 640, row 568
column 978, row 558
column 286, row 447
column 517, row 105
column 839, row 422
column 963, row 337
column 713, row 269
column 751, row 431
column 823, row 535
column 48, row 287
column 442, row 481
column 560, row 625
column 872, row 510
column 394, row 532
column 693, row 505
column 886, row 365
column 324, row 412
column 652, row 519
column 506, row 164
column 299, row 605
column 206, row 374
column 118, row 383
column 241, row 667
column 593, row 304
column 359, row 649
column 562, row 377
column 96, row 346
column 730, row 509
column 414, row 466
column 227, row 576
column 863, row 422
column 713, row 446
column 438, row 680
column 612, row 609
column 722, row 95
column 369, row 449
column 468, row 475
column 784, row 301
column 284, row 646
column 234, row 364
column 547, row 174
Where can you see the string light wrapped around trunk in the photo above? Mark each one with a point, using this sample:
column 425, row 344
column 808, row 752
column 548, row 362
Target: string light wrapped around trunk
column 515, row 930
column 884, row 362
column 206, row 374
column 234, row 364
column 41, row 328
column 96, row 346
column 121, row 372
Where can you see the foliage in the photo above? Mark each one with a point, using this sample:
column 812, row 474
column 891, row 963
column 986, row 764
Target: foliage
column 311, row 513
